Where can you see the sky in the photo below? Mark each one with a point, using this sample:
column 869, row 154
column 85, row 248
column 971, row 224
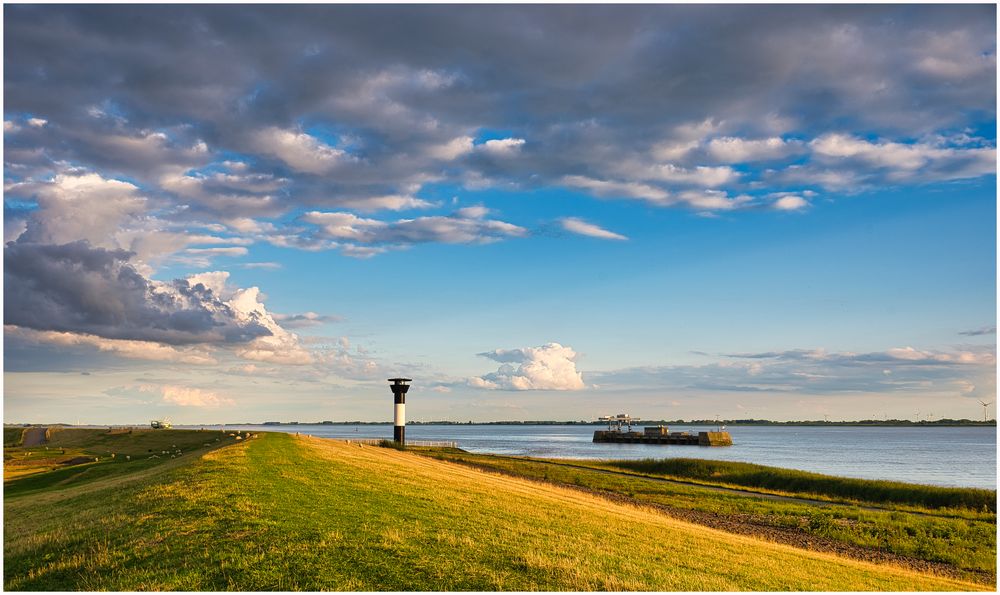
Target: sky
column 225, row 214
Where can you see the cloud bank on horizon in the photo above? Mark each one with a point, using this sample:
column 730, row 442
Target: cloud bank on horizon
column 139, row 139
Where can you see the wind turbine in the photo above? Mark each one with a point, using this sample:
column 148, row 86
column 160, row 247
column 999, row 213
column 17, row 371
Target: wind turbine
column 986, row 407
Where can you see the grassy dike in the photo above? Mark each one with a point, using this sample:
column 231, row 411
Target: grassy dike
column 956, row 540
column 282, row 512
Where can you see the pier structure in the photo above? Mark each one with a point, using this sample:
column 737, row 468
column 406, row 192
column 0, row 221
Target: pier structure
column 399, row 387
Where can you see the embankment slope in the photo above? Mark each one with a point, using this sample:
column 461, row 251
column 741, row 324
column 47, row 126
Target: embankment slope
column 285, row 513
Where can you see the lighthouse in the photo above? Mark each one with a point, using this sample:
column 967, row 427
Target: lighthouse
column 399, row 387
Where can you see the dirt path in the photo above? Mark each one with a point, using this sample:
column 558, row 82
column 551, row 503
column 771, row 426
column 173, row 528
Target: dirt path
column 757, row 526
column 33, row 436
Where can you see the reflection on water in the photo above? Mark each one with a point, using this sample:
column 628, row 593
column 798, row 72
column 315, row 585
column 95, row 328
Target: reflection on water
column 955, row 456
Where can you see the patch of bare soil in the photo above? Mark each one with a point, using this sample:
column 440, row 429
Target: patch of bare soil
column 33, row 436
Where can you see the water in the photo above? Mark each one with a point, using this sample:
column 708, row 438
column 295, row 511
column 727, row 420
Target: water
column 946, row 456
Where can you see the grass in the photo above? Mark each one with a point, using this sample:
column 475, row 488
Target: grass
column 12, row 436
column 802, row 483
column 964, row 539
column 116, row 452
column 297, row 513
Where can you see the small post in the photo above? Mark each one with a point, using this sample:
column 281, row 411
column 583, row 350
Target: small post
column 399, row 387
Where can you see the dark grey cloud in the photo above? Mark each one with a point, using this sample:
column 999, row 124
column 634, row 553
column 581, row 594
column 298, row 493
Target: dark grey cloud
column 78, row 288
column 986, row 330
column 305, row 320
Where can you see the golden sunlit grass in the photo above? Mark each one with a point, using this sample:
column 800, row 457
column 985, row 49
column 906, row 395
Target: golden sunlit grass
column 288, row 513
column 960, row 537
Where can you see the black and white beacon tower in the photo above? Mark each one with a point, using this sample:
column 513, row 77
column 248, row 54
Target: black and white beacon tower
column 399, row 387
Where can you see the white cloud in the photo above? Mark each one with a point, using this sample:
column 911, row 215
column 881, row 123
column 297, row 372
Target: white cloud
column 261, row 265
column 549, row 367
column 674, row 150
column 77, row 205
column 581, row 227
column 465, row 226
column 452, row 149
column 220, row 251
column 703, row 176
column 738, row 150
column 246, row 307
column 388, row 202
column 193, row 397
column 613, row 189
column 684, row 140
column 713, row 200
column 298, row 150
column 502, row 147
column 37, row 122
column 790, row 202
column 203, row 257
column 248, row 225
column 904, row 157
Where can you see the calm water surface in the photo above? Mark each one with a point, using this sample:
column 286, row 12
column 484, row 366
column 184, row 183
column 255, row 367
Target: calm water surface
column 955, row 456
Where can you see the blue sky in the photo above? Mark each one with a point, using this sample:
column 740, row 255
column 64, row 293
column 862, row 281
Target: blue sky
column 226, row 214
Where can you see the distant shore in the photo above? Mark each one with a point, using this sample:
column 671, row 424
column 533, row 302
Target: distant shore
column 677, row 422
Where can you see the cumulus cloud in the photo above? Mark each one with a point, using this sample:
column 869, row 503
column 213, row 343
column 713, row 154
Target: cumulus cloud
column 790, row 202
column 452, row 149
column 77, row 205
column 298, row 150
column 502, row 146
column 890, row 161
column 581, row 227
column 549, row 367
column 79, row 289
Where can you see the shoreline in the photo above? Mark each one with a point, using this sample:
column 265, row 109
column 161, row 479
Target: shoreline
column 738, row 424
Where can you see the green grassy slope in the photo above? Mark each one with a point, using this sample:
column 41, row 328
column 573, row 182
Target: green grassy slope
column 111, row 454
column 961, row 538
column 288, row 513
column 814, row 484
